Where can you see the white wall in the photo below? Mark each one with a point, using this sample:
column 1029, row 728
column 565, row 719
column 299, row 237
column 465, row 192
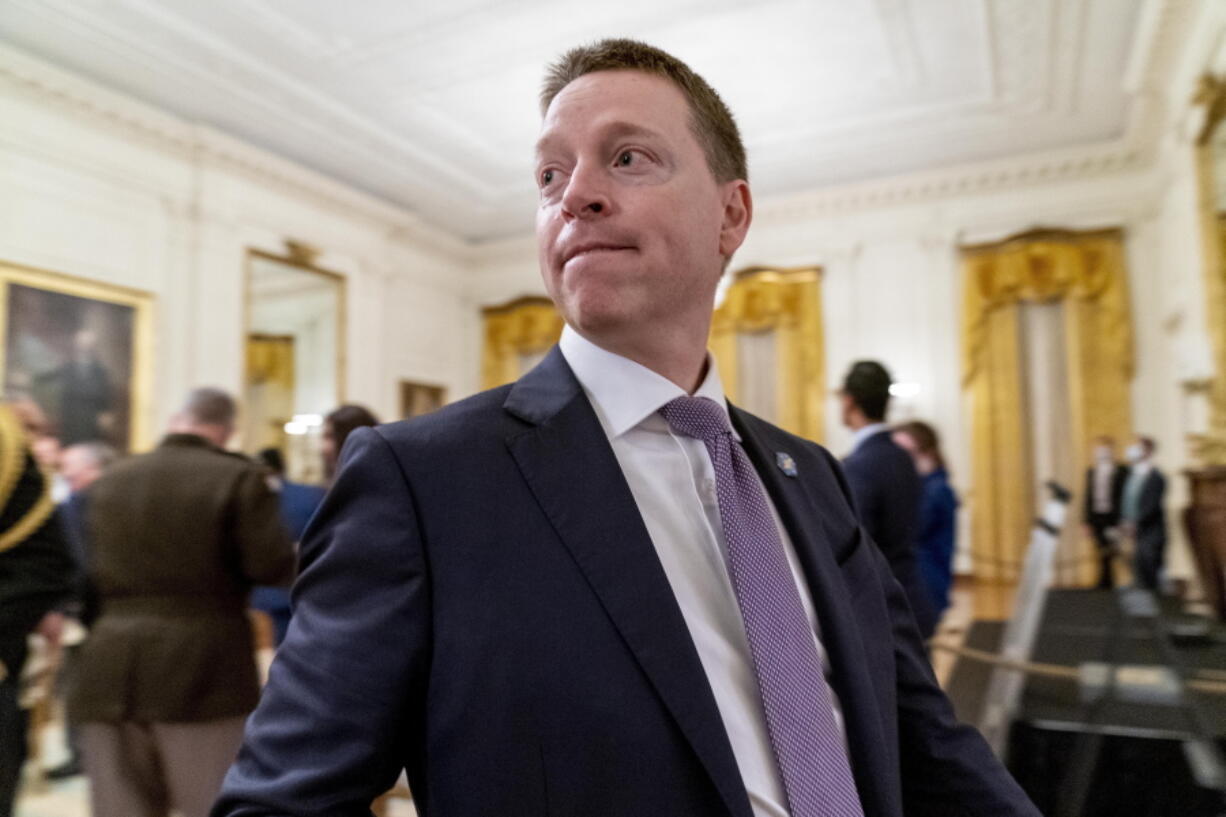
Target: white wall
column 102, row 187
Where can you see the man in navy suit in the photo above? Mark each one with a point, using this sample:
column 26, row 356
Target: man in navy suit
column 542, row 600
column 1143, row 513
column 884, row 484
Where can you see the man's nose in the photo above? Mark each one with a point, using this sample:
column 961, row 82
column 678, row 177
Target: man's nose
column 587, row 192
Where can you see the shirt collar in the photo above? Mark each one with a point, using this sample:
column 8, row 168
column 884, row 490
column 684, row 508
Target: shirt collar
column 626, row 394
column 861, row 436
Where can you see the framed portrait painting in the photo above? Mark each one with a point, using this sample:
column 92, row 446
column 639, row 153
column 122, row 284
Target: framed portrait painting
column 80, row 350
column 417, row 399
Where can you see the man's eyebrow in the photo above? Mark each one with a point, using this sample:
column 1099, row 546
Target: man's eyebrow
column 614, row 130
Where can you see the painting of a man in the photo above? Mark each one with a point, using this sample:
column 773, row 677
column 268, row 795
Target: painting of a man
column 72, row 356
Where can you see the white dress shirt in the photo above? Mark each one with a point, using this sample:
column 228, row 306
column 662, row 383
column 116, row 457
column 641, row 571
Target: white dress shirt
column 1104, row 474
column 860, row 437
column 673, row 483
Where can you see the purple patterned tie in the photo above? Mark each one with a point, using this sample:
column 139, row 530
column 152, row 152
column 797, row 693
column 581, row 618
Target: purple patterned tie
column 806, row 740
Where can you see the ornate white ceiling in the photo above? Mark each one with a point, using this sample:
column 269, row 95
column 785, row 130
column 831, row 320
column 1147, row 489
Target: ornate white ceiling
column 432, row 106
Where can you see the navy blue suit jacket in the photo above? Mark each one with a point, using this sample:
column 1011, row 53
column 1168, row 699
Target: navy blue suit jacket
column 480, row 603
column 887, row 490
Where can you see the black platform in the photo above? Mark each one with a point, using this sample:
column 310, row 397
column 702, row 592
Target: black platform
column 1141, row 768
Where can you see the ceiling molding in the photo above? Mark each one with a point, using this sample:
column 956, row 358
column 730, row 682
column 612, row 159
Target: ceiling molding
column 965, row 180
column 1163, row 27
column 1160, row 30
column 202, row 144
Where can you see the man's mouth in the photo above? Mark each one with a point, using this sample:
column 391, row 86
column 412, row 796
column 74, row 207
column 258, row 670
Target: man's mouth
column 594, row 249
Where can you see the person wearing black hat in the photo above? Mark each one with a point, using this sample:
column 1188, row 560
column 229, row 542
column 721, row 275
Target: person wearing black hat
column 884, row 483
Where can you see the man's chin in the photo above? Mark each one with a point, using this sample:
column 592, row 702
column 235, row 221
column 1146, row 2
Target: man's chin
column 595, row 321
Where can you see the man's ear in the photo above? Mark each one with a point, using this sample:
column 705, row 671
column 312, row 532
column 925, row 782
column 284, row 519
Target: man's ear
column 738, row 213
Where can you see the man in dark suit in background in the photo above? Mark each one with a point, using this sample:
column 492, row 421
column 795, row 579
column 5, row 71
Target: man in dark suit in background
column 1143, row 514
column 35, row 576
column 602, row 591
column 178, row 537
column 1104, row 495
column 80, row 466
column 884, row 483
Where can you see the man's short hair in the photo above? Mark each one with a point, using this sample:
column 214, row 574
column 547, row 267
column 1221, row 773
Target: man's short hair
column 347, row 418
column 210, row 407
column 1148, row 444
column 710, row 119
column 868, row 385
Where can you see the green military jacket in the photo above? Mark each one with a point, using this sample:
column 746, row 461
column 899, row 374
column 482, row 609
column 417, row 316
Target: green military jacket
column 177, row 538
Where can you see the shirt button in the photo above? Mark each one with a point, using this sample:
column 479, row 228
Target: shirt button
column 708, row 486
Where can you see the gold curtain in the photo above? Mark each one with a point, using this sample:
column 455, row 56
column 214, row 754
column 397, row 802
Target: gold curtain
column 270, row 390
column 1211, row 95
column 788, row 302
column 523, row 328
column 1086, row 273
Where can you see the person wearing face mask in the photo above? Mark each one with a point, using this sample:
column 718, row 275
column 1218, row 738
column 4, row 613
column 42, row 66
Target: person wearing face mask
column 1142, row 513
column 1104, row 495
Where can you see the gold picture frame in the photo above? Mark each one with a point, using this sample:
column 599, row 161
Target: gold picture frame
column 80, row 349
column 417, row 399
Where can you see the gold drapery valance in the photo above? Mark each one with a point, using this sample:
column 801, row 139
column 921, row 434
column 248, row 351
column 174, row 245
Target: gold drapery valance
column 1087, row 274
column 1043, row 267
column 523, row 328
column 788, row 302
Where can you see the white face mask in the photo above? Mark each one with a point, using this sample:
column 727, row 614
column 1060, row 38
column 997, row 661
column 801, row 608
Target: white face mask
column 1135, row 452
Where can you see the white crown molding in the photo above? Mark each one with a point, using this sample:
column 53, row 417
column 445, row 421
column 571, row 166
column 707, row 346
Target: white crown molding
column 1162, row 29
column 198, row 143
column 1159, row 34
column 965, row 180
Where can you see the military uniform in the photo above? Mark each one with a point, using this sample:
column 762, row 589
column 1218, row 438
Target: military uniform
column 178, row 537
column 35, row 575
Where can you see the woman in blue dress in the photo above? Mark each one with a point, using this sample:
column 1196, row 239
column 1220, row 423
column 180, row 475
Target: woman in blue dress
column 934, row 555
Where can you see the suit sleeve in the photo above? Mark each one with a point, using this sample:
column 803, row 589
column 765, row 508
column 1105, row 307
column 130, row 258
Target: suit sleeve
column 1150, row 511
column 948, row 770
column 345, row 696
column 265, row 551
column 35, row 575
column 863, row 497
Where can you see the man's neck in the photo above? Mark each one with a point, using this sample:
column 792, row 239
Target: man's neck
column 856, row 421
column 681, row 358
column 210, row 434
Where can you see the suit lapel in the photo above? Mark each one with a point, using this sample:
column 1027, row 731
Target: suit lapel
column 571, row 469
column 815, row 534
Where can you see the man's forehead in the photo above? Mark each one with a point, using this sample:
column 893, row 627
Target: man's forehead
column 556, row 136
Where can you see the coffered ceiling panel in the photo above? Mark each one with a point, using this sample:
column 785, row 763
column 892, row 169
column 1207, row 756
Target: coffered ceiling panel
column 432, row 106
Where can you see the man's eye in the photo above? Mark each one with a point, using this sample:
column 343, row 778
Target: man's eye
column 547, row 177
column 626, row 158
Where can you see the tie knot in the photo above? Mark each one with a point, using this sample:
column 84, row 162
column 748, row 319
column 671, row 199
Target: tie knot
column 697, row 417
